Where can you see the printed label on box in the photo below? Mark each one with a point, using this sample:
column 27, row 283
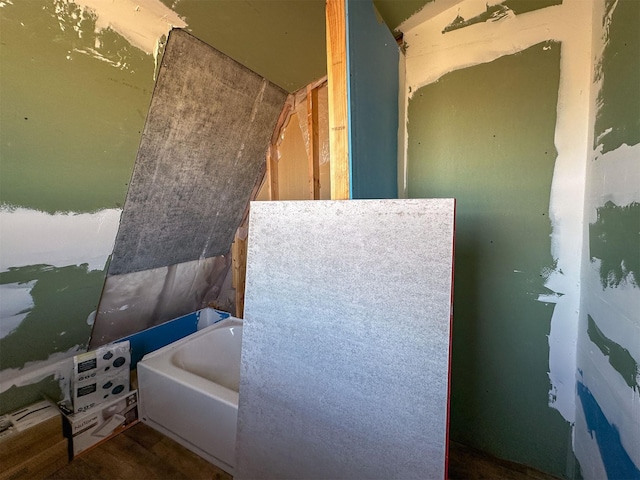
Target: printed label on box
column 86, row 429
column 106, row 359
column 98, row 389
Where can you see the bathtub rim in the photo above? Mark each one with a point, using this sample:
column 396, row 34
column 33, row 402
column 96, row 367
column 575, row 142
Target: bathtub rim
column 161, row 362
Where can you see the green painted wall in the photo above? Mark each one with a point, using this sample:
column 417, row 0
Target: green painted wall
column 281, row 40
column 485, row 135
column 73, row 108
column 395, row 12
column 618, row 99
column 17, row 397
column 71, row 123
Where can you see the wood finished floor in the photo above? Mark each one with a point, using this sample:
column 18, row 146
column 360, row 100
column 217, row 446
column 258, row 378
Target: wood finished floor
column 141, row 453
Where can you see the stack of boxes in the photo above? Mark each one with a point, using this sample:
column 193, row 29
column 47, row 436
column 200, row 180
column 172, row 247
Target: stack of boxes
column 100, row 404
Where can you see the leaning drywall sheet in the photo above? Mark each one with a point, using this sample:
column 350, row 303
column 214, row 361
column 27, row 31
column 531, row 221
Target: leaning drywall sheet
column 345, row 355
column 202, row 150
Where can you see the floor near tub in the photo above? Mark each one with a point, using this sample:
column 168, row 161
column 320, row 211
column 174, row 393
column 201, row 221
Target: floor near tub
column 141, row 453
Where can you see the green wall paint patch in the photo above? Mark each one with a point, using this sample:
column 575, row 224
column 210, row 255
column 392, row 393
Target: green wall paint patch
column 619, row 357
column 614, row 239
column 618, row 117
column 485, row 135
column 17, row 397
column 524, row 6
column 63, row 300
column 395, row 12
column 281, row 40
column 72, row 112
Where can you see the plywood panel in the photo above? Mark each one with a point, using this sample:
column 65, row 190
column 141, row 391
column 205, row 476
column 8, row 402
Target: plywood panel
column 204, row 143
column 345, row 356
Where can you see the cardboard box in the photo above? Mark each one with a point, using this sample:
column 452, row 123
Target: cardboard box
column 87, row 429
column 99, row 389
column 103, row 360
column 26, row 417
column 99, row 375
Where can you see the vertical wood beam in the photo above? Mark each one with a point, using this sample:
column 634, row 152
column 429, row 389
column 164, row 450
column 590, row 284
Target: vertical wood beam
column 272, row 171
column 338, row 101
column 239, row 263
column 314, row 143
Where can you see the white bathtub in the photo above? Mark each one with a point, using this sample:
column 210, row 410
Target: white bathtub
column 189, row 391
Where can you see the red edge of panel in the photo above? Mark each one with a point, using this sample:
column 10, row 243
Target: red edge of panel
column 453, row 257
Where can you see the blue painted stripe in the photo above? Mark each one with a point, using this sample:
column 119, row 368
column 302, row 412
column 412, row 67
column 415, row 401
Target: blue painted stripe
column 615, row 458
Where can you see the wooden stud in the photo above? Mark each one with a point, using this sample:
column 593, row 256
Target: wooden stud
column 239, row 262
column 272, row 170
column 338, row 108
column 314, row 143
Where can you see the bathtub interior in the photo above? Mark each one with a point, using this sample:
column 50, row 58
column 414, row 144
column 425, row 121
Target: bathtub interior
column 214, row 357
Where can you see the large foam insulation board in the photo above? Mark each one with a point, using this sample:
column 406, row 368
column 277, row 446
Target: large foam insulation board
column 345, row 355
column 202, row 150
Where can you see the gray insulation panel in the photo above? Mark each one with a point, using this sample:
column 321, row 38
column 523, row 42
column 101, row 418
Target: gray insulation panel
column 202, row 150
column 345, row 356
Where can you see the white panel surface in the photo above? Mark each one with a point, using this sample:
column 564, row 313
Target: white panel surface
column 345, row 356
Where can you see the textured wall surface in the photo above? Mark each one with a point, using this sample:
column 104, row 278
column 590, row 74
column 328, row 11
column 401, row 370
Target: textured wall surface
column 202, row 149
column 346, row 340
column 607, row 432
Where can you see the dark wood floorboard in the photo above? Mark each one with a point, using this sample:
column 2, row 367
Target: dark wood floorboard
column 468, row 464
column 141, row 453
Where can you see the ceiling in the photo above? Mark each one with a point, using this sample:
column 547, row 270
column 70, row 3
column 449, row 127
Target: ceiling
column 282, row 40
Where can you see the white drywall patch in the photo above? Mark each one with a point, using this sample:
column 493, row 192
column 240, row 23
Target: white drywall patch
column 32, row 237
column 15, row 303
column 431, row 54
column 142, row 22
column 59, row 365
column 615, row 177
column 566, row 208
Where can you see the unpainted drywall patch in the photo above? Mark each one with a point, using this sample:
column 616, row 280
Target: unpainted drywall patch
column 33, row 237
column 144, row 23
column 15, row 306
column 614, row 239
